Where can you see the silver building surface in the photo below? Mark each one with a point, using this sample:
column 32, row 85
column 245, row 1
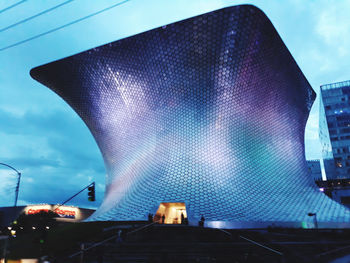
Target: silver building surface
column 314, row 167
column 203, row 117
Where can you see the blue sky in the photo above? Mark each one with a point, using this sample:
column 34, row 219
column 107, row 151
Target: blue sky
column 40, row 134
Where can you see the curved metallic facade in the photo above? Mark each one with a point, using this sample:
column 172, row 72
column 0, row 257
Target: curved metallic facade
column 209, row 111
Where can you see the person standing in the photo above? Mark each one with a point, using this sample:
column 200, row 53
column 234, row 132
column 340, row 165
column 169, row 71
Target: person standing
column 182, row 218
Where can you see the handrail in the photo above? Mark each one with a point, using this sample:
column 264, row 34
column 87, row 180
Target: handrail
column 110, row 238
column 92, row 246
column 252, row 241
column 141, row 228
column 331, row 251
column 148, row 225
column 261, row 245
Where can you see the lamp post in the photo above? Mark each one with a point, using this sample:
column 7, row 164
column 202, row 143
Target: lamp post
column 18, row 180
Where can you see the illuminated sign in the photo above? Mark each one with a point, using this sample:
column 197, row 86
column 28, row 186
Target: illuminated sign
column 36, row 211
column 65, row 213
column 62, row 212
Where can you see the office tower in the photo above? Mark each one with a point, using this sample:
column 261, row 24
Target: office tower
column 335, row 129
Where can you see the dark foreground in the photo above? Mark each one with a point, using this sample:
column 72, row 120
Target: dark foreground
column 143, row 242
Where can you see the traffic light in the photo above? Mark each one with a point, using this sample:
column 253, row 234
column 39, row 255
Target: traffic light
column 91, row 192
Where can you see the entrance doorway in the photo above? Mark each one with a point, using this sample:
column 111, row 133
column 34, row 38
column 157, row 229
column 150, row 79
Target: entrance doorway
column 171, row 213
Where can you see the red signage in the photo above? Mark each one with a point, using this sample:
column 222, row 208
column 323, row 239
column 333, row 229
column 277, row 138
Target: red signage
column 32, row 211
column 61, row 212
column 65, row 213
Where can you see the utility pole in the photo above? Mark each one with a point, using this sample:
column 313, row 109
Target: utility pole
column 18, row 181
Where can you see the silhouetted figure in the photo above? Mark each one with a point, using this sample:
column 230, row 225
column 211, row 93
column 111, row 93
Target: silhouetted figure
column 163, row 219
column 182, row 219
column 119, row 237
column 150, row 218
column 201, row 222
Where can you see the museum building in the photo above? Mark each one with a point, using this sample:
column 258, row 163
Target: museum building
column 200, row 118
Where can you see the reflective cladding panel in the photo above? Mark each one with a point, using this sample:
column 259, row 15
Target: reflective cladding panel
column 209, row 111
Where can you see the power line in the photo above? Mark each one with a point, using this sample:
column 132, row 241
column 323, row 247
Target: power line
column 34, row 16
column 12, row 6
column 63, row 26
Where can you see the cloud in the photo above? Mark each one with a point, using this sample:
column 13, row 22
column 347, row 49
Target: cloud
column 8, row 185
column 328, row 53
column 333, row 26
column 53, row 159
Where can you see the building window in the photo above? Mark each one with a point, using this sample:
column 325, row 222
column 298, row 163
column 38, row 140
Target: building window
column 346, row 130
column 332, row 132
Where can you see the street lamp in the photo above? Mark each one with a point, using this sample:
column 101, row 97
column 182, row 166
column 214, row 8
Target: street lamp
column 18, row 180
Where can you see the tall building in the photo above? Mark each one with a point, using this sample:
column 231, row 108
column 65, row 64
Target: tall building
column 203, row 117
column 335, row 129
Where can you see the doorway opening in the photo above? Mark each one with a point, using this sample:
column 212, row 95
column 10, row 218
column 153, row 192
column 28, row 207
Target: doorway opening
column 171, row 213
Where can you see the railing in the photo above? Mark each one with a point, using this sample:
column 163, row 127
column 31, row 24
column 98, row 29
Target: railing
column 151, row 224
column 110, row 238
column 252, row 241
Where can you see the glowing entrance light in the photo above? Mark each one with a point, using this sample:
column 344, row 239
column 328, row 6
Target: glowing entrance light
column 171, row 213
